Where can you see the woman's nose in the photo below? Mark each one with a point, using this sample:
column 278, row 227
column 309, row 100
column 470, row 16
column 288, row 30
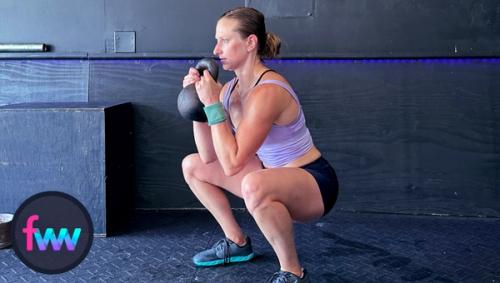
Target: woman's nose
column 216, row 49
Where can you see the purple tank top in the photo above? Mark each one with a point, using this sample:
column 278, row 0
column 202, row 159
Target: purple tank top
column 284, row 143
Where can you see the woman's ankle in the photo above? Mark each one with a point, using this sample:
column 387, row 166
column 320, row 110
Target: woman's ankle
column 297, row 272
column 238, row 240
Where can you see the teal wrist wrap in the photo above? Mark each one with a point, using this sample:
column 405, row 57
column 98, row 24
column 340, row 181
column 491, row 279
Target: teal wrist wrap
column 215, row 113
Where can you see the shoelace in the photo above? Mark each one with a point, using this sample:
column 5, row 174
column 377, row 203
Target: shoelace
column 223, row 246
column 280, row 277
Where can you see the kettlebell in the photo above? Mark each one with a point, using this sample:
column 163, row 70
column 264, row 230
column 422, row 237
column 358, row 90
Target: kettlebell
column 188, row 103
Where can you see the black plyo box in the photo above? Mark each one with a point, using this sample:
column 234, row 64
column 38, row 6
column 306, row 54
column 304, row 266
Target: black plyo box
column 83, row 149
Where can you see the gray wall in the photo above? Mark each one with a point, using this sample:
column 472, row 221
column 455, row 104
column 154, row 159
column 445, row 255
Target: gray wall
column 406, row 136
column 309, row 28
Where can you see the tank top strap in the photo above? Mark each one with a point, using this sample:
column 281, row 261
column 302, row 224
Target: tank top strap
column 227, row 94
column 261, row 75
column 283, row 85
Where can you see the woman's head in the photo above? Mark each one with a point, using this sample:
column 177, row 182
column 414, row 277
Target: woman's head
column 248, row 22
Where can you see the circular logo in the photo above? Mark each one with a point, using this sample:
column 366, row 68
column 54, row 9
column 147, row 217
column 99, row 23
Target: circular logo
column 51, row 232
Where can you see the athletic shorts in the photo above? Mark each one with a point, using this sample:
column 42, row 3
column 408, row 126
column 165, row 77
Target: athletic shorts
column 327, row 181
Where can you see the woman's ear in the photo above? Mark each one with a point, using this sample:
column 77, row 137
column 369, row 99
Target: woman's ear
column 252, row 42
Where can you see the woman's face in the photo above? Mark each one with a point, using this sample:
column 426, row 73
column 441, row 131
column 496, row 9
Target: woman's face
column 231, row 48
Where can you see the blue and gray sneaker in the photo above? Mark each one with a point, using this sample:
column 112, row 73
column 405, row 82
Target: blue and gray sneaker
column 224, row 251
column 288, row 277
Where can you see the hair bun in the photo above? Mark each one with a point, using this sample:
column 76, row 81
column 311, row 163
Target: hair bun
column 273, row 45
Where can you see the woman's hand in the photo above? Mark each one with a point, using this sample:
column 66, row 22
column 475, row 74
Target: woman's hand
column 208, row 90
column 192, row 77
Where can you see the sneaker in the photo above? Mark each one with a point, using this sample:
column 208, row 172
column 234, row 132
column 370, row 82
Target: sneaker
column 288, row 277
column 224, row 251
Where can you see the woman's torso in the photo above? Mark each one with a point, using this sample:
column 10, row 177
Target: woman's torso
column 237, row 104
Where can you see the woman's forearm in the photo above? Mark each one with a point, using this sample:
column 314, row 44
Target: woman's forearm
column 203, row 140
column 226, row 148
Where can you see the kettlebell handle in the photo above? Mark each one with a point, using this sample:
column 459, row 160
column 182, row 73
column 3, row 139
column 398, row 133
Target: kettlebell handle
column 210, row 65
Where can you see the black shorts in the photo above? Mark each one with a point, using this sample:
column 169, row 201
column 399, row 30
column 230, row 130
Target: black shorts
column 327, row 181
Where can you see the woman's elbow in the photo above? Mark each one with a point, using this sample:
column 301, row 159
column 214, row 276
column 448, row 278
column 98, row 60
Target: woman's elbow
column 231, row 170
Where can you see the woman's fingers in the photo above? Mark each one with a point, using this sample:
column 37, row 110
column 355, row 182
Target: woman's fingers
column 187, row 81
column 192, row 77
column 193, row 72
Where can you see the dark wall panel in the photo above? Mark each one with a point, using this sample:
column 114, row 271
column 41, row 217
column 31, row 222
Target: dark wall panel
column 408, row 137
column 414, row 136
column 43, row 81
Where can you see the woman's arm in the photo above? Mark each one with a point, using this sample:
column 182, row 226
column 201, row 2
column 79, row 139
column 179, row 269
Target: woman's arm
column 201, row 131
column 203, row 137
column 262, row 108
column 203, row 141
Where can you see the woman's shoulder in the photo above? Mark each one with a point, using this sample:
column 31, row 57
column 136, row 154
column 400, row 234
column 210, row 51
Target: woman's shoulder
column 274, row 76
column 273, row 81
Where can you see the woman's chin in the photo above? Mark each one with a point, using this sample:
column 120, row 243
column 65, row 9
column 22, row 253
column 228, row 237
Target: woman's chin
column 226, row 67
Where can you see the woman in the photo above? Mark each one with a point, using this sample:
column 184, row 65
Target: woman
column 256, row 146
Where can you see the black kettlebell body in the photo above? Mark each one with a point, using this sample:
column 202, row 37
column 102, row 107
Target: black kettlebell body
column 188, row 103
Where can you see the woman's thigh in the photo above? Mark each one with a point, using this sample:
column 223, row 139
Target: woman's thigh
column 293, row 187
column 213, row 173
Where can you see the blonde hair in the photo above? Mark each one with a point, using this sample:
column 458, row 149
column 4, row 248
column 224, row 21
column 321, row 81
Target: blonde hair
column 251, row 21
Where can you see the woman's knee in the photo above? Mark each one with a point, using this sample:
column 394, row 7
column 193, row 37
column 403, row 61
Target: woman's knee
column 253, row 191
column 190, row 165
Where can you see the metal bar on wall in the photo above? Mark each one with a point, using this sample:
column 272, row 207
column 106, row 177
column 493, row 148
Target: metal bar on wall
column 24, row 47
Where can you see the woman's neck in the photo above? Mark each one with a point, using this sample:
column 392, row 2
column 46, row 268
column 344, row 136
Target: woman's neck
column 249, row 73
